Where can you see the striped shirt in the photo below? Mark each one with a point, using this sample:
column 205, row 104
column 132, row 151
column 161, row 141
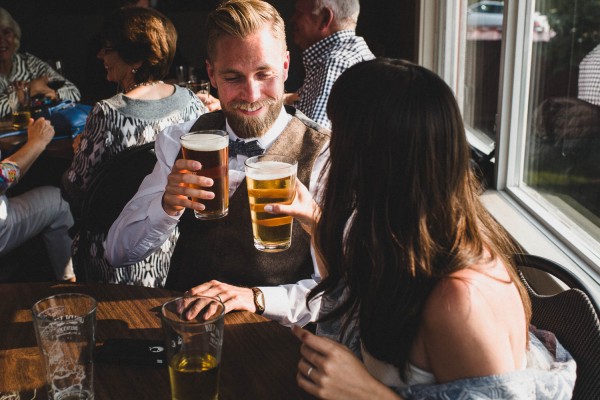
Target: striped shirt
column 26, row 67
column 323, row 62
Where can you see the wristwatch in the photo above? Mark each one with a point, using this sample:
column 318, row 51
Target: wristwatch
column 259, row 300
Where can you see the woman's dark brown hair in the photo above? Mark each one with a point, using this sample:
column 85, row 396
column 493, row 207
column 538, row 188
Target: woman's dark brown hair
column 400, row 209
column 142, row 34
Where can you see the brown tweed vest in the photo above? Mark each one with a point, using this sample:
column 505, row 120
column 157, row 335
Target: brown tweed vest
column 223, row 249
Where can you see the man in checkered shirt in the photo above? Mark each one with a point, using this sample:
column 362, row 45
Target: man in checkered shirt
column 325, row 31
column 589, row 77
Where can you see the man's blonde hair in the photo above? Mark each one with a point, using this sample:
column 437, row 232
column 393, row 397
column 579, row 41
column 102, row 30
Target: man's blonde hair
column 241, row 18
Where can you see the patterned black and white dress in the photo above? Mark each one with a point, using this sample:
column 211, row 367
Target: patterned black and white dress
column 26, row 67
column 114, row 125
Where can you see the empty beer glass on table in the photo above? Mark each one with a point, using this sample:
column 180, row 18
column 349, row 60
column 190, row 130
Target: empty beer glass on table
column 193, row 327
column 271, row 179
column 65, row 326
column 211, row 149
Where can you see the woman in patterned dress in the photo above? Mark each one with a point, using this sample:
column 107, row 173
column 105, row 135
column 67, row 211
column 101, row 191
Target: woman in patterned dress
column 139, row 45
column 25, row 69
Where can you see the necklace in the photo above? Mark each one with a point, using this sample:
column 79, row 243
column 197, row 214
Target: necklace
column 151, row 83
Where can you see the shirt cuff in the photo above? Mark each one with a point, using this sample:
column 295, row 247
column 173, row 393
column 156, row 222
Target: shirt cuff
column 276, row 302
column 286, row 304
column 158, row 216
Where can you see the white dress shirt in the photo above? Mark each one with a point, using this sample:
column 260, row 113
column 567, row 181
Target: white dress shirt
column 143, row 225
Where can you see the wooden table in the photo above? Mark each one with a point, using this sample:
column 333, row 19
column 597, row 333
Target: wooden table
column 259, row 361
column 11, row 140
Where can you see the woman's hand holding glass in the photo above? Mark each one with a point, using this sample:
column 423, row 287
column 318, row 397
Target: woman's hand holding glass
column 304, row 208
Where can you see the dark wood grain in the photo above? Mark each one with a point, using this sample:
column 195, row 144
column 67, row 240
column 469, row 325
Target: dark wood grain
column 259, row 356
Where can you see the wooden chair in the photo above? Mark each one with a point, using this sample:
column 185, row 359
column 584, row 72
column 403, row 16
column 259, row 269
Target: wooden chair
column 112, row 188
column 572, row 315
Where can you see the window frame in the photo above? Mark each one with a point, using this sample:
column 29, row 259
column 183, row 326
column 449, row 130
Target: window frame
column 532, row 221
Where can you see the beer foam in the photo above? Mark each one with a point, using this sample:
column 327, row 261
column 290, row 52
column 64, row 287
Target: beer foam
column 264, row 170
column 205, row 142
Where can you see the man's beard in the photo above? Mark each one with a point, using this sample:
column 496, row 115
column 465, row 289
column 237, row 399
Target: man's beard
column 252, row 127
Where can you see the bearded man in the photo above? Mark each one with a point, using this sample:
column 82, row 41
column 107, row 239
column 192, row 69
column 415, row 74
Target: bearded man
column 248, row 64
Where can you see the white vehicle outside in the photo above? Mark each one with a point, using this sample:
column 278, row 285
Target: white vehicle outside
column 489, row 15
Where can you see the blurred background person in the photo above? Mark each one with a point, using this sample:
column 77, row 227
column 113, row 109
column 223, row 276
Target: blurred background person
column 38, row 211
column 589, row 77
column 325, row 32
column 138, row 49
column 24, row 69
column 423, row 296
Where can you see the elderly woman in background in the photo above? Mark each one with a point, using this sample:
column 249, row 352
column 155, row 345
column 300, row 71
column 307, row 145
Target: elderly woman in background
column 24, row 69
column 139, row 45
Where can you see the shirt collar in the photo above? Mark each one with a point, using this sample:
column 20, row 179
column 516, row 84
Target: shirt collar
column 268, row 138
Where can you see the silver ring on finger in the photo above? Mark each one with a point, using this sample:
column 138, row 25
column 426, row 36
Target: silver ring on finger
column 310, row 369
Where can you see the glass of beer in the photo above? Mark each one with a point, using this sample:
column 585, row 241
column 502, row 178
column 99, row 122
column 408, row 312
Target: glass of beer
column 193, row 327
column 271, row 179
column 211, row 149
column 20, row 118
column 20, row 112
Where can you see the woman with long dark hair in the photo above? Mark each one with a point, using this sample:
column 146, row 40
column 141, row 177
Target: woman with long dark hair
column 418, row 278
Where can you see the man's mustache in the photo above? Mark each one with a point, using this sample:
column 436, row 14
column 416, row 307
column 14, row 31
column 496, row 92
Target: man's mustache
column 252, row 106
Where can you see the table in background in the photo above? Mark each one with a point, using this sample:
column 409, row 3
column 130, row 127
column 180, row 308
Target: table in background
column 49, row 166
column 259, row 356
column 11, row 139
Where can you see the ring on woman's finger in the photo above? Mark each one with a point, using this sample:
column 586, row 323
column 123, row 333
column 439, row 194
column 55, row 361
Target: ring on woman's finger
column 309, row 371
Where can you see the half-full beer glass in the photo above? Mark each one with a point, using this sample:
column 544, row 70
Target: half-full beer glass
column 193, row 329
column 211, row 149
column 271, row 179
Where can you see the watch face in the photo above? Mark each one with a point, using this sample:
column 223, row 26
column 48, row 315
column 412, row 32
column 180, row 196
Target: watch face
column 259, row 300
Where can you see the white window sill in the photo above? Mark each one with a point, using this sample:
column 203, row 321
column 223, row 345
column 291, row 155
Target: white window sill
column 535, row 239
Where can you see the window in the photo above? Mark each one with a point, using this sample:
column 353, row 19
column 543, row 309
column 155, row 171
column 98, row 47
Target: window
column 563, row 120
column 527, row 75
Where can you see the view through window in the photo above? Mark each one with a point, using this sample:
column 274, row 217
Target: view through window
column 562, row 130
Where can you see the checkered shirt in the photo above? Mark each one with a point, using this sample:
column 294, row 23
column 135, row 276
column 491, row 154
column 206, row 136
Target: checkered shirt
column 323, row 62
column 589, row 77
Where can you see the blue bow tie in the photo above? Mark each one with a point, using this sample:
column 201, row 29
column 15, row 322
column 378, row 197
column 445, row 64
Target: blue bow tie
column 248, row 149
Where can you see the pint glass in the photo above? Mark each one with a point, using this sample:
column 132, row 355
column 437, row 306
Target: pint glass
column 211, row 149
column 65, row 326
column 271, row 179
column 193, row 329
